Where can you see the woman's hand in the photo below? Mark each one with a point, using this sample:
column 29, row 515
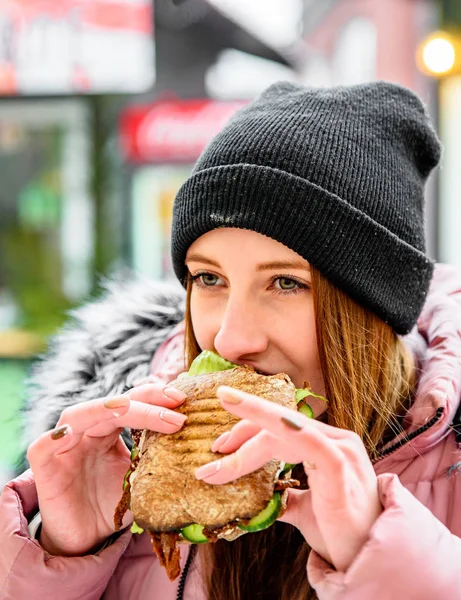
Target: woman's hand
column 79, row 466
column 336, row 514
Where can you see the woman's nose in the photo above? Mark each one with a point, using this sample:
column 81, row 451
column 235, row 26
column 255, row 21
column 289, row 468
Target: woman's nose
column 241, row 332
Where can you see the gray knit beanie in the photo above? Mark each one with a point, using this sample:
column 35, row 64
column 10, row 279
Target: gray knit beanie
column 337, row 175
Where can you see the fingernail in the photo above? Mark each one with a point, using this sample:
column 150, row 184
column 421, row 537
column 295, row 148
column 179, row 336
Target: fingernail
column 227, row 395
column 292, row 423
column 117, row 402
column 208, row 470
column 220, row 442
column 173, row 394
column 60, row 432
column 174, row 418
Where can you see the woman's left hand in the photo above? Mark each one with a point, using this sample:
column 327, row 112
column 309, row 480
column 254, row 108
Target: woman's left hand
column 336, row 514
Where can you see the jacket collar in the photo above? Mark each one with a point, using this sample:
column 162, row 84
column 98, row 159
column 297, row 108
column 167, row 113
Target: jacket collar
column 436, row 345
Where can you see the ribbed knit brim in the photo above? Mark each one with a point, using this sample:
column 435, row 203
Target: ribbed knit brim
column 359, row 240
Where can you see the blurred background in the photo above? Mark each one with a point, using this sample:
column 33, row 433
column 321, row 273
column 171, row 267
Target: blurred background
column 106, row 104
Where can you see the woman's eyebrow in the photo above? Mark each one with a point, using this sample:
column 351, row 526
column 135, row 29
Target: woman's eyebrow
column 202, row 259
column 271, row 266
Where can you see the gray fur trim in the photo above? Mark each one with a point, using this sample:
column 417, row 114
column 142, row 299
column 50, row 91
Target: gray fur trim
column 104, row 348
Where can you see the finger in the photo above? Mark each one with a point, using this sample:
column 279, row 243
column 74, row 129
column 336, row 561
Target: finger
column 299, row 508
column 233, row 439
column 157, row 393
column 103, row 416
column 300, row 513
column 142, row 416
column 42, row 451
column 287, row 435
column 266, row 413
column 257, row 452
column 250, row 457
column 84, row 415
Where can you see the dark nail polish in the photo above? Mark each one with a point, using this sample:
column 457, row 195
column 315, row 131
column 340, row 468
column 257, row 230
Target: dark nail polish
column 59, row 432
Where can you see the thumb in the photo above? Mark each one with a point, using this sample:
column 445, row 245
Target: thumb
column 299, row 509
column 299, row 513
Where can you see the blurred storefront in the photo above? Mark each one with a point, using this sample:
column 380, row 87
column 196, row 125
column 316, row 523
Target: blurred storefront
column 439, row 57
column 54, row 56
column 160, row 142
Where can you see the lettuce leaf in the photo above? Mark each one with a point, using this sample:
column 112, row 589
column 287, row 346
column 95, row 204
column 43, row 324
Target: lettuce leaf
column 209, row 362
column 302, row 393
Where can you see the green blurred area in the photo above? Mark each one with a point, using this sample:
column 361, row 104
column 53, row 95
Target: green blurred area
column 12, row 376
column 33, row 299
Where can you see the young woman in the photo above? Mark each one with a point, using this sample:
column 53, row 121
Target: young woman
column 299, row 238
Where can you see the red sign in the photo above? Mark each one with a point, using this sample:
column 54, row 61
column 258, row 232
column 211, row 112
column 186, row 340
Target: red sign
column 173, row 130
column 119, row 14
column 69, row 46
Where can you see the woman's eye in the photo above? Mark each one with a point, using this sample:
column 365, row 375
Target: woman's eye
column 209, row 279
column 206, row 279
column 285, row 283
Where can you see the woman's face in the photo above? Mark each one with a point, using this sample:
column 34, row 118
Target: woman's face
column 252, row 303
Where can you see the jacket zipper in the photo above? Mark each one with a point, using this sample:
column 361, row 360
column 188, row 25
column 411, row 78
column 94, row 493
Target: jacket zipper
column 411, row 436
column 182, row 581
column 390, row 450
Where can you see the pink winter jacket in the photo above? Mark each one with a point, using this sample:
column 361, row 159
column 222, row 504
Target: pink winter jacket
column 414, row 548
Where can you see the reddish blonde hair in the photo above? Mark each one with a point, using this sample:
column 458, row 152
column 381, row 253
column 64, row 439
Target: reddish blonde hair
column 369, row 377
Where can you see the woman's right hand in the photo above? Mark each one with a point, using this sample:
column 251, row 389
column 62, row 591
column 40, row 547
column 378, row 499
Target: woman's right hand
column 80, row 465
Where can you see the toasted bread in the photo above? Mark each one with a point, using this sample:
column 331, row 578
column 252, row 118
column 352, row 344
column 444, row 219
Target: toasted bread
column 166, row 495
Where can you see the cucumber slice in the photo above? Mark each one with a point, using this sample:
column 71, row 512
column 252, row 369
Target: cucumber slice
column 287, row 467
column 305, row 409
column 194, row 533
column 135, row 528
column 134, row 452
column 266, row 517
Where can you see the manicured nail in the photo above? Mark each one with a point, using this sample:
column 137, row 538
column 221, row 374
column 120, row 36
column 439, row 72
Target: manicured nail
column 208, row 470
column 227, row 395
column 174, row 418
column 220, row 442
column 292, row 423
column 117, row 402
column 173, row 394
column 60, row 432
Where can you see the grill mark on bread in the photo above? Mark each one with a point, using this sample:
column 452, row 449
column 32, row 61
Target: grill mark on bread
column 172, row 497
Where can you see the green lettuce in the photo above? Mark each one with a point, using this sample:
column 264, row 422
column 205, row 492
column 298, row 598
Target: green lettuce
column 209, row 362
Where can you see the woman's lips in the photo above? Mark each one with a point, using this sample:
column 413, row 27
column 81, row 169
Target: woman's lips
column 257, row 368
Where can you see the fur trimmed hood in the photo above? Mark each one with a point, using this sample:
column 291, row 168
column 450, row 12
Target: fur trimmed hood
column 106, row 345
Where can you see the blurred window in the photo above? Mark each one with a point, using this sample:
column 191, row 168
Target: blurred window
column 354, row 59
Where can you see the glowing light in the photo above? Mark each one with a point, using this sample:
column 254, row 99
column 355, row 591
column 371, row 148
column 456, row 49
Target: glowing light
column 439, row 55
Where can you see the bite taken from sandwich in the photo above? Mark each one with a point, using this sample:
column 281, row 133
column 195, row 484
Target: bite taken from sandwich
column 161, row 489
